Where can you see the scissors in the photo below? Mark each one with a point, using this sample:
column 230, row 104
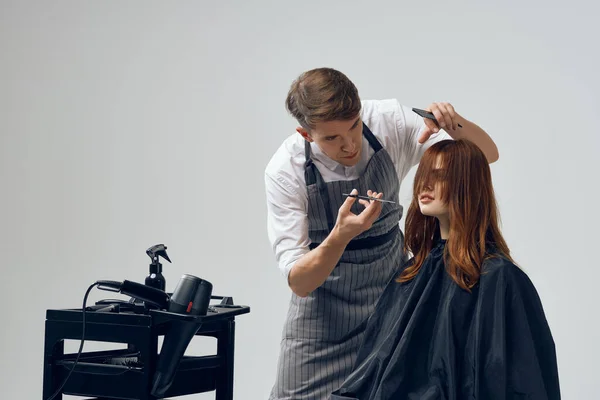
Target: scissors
column 368, row 198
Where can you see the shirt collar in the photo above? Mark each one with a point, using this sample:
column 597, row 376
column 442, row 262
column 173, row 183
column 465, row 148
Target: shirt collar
column 324, row 159
column 332, row 165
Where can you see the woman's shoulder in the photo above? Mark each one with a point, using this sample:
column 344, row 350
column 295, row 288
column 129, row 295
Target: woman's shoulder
column 499, row 269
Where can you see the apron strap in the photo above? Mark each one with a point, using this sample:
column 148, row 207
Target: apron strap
column 371, row 138
column 310, row 170
column 312, row 176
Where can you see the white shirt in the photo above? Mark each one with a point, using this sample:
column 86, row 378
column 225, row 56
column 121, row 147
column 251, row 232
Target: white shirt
column 396, row 127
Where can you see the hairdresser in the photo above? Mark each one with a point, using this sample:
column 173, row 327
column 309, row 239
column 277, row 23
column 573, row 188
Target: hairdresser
column 336, row 252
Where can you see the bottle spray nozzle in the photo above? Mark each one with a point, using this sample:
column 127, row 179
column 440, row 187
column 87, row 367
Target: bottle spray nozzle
column 158, row 250
column 156, row 279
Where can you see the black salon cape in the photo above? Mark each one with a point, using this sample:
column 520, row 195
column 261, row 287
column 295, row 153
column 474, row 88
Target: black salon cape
column 430, row 339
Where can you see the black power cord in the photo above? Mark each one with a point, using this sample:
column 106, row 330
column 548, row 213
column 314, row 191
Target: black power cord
column 80, row 346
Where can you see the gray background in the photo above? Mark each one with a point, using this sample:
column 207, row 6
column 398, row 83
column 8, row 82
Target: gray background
column 126, row 124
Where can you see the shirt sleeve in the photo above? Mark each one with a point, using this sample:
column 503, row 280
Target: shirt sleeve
column 287, row 220
column 409, row 126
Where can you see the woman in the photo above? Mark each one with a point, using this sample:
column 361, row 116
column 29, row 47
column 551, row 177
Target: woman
column 461, row 321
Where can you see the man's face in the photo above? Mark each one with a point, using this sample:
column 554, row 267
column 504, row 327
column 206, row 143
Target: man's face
column 339, row 140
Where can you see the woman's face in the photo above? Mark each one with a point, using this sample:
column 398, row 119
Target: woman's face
column 430, row 197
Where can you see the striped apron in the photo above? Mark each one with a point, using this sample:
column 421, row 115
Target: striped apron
column 323, row 331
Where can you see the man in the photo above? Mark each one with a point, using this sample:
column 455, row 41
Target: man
column 337, row 254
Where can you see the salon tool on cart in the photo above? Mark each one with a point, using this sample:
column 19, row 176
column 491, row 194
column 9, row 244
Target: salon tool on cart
column 178, row 316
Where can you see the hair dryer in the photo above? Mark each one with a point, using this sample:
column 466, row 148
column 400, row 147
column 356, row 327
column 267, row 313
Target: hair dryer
column 191, row 297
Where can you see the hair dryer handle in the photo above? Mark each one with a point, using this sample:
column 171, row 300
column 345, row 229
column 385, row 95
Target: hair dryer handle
column 171, row 353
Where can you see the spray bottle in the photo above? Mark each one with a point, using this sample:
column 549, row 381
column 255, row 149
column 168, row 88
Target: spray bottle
column 156, row 279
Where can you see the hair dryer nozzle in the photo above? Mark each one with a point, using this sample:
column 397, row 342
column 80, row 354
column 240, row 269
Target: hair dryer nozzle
column 111, row 286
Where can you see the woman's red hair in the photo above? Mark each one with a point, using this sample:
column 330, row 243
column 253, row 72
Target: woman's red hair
column 462, row 170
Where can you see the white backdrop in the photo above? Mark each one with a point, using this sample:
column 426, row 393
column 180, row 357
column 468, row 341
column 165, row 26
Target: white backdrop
column 126, row 124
